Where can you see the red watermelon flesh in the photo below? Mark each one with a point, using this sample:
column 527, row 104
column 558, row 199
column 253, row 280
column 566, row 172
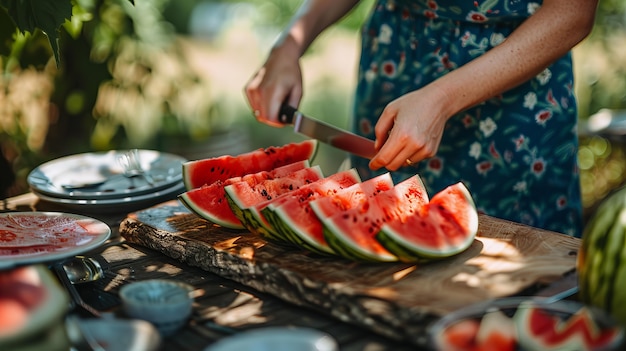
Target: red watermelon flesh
column 242, row 197
column 351, row 233
column 208, row 171
column 352, row 196
column 538, row 329
column 446, row 226
column 293, row 219
column 209, row 201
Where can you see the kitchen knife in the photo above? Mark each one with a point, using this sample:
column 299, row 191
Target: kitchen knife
column 327, row 133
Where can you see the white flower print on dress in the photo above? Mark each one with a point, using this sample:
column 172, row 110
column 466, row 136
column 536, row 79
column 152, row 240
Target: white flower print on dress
column 496, row 39
column 371, row 73
column 532, row 8
column 520, row 187
column 475, row 150
column 488, row 126
column 384, row 37
column 544, row 77
column 530, row 100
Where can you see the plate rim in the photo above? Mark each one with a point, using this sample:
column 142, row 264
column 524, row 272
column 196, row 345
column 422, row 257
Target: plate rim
column 311, row 335
column 13, row 261
column 36, row 176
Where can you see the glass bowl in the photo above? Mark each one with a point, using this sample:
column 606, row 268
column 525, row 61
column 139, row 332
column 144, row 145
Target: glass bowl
column 167, row 304
column 32, row 308
column 527, row 324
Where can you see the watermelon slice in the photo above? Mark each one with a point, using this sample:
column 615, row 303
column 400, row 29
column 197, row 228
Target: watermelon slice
column 493, row 331
column 446, row 226
column 351, row 233
column 208, row 171
column 538, row 329
column 209, row 201
column 241, row 196
column 293, row 219
column 352, row 196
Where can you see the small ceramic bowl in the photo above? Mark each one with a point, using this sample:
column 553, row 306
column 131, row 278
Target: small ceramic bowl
column 165, row 303
column 527, row 324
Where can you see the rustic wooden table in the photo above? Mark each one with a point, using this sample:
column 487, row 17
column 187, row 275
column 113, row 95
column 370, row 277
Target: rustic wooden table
column 222, row 307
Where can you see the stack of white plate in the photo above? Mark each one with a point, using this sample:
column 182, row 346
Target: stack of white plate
column 95, row 182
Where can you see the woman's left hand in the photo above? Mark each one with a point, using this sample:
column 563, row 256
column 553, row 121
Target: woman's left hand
column 410, row 129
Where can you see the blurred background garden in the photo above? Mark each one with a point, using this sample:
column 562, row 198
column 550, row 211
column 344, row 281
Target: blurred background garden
column 169, row 75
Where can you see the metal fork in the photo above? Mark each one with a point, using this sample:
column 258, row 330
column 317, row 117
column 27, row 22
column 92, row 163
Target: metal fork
column 131, row 164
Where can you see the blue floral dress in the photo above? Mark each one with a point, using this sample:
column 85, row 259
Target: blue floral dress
column 517, row 152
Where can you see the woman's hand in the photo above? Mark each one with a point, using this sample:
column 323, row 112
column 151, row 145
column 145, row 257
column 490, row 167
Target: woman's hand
column 277, row 81
column 280, row 78
column 409, row 129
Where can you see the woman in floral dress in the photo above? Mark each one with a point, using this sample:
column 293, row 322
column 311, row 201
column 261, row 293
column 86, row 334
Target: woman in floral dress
column 473, row 91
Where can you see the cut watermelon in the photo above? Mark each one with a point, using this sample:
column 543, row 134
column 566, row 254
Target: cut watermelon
column 352, row 196
column 241, row 196
column 351, row 233
column 208, row 171
column 538, row 329
column 209, row 201
column 494, row 331
column 293, row 219
column 446, row 226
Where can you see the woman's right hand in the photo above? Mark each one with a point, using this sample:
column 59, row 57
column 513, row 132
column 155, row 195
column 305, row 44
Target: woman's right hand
column 278, row 80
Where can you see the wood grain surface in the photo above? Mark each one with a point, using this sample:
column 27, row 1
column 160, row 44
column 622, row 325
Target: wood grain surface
column 397, row 300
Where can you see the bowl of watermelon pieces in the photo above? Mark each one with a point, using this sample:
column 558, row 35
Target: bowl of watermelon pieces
column 527, row 324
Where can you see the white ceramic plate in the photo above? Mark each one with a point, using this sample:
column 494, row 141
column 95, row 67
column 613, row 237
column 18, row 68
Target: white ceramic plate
column 277, row 339
column 52, row 177
column 35, row 237
column 123, row 204
column 122, row 334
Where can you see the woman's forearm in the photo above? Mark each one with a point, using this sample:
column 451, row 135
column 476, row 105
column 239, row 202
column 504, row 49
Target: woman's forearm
column 310, row 20
column 543, row 38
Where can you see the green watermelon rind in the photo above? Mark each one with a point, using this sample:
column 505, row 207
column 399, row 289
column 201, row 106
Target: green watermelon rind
column 213, row 213
column 599, row 269
column 280, row 229
column 408, row 251
column 251, row 221
column 288, row 229
column 292, row 235
column 568, row 336
column 189, row 167
column 344, row 245
column 600, row 272
column 251, row 218
column 348, row 250
column 282, row 233
column 184, row 199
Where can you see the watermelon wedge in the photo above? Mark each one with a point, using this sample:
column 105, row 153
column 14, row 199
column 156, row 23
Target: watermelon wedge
column 352, row 196
column 208, row 171
column 298, row 219
column 538, row 329
column 209, row 201
column 351, row 233
column 241, row 196
column 446, row 226
column 293, row 219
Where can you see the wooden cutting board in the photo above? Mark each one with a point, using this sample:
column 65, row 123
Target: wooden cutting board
column 397, row 300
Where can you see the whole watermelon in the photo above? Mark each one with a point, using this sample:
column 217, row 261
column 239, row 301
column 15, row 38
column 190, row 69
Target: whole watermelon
column 602, row 258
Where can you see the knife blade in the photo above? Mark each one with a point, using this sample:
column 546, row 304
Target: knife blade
column 327, row 133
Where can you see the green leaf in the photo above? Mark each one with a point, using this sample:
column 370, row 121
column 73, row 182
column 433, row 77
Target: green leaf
column 7, row 30
column 47, row 15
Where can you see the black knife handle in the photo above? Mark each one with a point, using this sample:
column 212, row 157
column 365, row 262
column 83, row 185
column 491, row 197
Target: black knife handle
column 287, row 114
